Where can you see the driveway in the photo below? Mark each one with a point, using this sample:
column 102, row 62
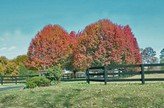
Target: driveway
column 3, row 88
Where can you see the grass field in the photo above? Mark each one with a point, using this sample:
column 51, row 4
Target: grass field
column 82, row 95
column 148, row 76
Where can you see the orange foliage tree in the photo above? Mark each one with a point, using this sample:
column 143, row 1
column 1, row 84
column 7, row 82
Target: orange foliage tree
column 100, row 43
column 104, row 43
column 51, row 46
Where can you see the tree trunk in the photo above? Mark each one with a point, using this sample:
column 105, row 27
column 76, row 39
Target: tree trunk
column 74, row 73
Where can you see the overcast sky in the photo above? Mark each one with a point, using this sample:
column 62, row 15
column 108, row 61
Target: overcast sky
column 20, row 20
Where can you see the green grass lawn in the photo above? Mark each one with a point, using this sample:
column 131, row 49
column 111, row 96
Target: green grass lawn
column 148, row 76
column 82, row 95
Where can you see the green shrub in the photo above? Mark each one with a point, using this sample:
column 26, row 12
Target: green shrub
column 37, row 82
column 24, row 71
column 56, row 72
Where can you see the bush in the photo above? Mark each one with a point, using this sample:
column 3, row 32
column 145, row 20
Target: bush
column 37, row 82
column 56, row 72
column 23, row 71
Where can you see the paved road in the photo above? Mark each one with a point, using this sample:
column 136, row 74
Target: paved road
column 11, row 87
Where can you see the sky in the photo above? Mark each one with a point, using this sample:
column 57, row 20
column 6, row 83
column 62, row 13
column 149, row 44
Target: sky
column 20, row 20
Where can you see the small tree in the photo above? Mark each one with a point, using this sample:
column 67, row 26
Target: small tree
column 56, row 72
column 162, row 55
column 148, row 55
column 162, row 58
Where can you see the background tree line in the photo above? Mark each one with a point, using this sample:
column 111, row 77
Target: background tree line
column 100, row 43
column 149, row 56
column 15, row 66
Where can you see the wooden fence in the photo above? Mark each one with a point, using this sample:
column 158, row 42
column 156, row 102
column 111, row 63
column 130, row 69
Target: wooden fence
column 14, row 79
column 103, row 74
column 122, row 72
column 22, row 79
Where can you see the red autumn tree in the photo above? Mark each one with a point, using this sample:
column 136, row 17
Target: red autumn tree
column 104, row 43
column 100, row 43
column 51, row 46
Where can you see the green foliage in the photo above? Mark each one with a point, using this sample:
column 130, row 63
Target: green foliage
column 162, row 61
column 148, row 56
column 31, row 84
column 37, row 82
column 56, row 71
column 162, row 54
column 3, row 63
column 15, row 66
column 2, row 69
column 11, row 68
column 3, row 60
column 23, row 71
column 20, row 59
column 96, row 63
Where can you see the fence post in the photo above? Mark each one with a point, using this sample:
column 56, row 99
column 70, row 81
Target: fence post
column 1, row 80
column 87, row 73
column 142, row 74
column 119, row 73
column 15, row 79
column 105, row 75
column 113, row 73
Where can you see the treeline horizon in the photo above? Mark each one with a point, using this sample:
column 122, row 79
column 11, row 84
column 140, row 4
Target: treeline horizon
column 100, row 43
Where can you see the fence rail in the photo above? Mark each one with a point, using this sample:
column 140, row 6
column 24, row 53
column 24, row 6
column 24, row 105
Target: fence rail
column 14, row 79
column 123, row 70
column 104, row 74
column 22, row 79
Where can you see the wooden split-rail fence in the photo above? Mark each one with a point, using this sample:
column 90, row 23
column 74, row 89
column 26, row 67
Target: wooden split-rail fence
column 14, row 79
column 105, row 74
column 122, row 73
